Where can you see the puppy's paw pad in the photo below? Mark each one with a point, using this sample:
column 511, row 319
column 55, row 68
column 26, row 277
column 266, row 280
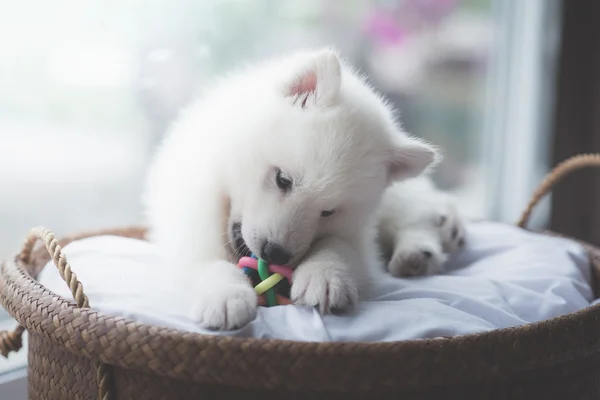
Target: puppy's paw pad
column 452, row 233
column 441, row 220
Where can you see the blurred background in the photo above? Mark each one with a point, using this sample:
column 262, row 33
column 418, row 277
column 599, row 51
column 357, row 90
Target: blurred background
column 506, row 88
column 87, row 89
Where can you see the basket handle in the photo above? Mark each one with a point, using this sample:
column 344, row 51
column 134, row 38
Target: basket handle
column 12, row 340
column 560, row 171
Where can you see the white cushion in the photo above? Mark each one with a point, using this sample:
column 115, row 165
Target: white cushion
column 506, row 277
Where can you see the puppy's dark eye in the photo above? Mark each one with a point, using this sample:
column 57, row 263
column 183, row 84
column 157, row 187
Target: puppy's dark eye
column 327, row 213
column 284, row 181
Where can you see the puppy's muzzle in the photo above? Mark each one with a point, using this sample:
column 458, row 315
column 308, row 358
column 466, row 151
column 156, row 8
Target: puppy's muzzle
column 274, row 253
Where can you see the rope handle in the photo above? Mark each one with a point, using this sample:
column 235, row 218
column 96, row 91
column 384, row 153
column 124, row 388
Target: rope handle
column 12, row 340
column 559, row 172
column 59, row 259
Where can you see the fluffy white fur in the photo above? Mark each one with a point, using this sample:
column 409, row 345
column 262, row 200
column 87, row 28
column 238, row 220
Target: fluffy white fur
column 309, row 118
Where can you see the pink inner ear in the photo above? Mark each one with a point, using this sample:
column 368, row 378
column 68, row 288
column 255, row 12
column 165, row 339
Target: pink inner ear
column 306, row 84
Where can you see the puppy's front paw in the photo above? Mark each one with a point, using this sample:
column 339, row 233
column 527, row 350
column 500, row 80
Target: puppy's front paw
column 225, row 306
column 318, row 284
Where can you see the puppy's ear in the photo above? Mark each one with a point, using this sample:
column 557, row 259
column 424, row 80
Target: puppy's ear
column 317, row 82
column 410, row 158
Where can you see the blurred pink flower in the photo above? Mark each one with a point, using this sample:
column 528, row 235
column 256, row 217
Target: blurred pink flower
column 384, row 29
column 392, row 25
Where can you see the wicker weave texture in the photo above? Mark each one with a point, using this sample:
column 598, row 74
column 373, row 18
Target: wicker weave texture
column 54, row 373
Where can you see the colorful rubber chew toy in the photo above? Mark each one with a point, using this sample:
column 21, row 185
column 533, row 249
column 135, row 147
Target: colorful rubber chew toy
column 271, row 283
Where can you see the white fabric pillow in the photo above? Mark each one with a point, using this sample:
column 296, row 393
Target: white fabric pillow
column 506, row 277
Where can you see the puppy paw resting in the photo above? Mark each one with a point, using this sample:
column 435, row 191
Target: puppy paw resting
column 418, row 228
column 230, row 306
column 221, row 297
column 325, row 278
column 290, row 159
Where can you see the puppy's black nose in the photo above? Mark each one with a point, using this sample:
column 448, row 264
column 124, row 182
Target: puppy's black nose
column 275, row 254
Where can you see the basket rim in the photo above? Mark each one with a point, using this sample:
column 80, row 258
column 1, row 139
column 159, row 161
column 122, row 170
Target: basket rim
column 275, row 363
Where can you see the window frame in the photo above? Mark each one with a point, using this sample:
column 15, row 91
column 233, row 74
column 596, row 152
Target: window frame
column 519, row 101
column 575, row 200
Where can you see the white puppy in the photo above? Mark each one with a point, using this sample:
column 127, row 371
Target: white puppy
column 291, row 159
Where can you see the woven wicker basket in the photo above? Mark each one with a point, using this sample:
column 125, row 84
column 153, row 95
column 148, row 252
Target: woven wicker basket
column 78, row 353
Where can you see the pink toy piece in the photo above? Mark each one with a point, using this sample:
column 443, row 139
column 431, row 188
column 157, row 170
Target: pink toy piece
column 250, row 262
